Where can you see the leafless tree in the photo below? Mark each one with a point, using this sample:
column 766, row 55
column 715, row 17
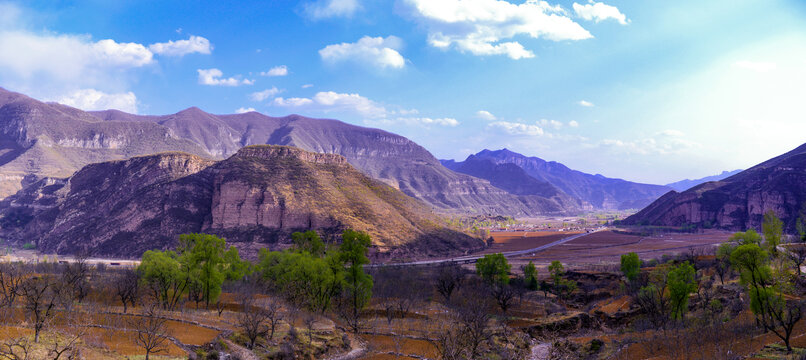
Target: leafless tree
column 15, row 349
column 273, row 315
column 448, row 342
column 40, row 299
column 797, row 254
column 11, row 277
column 151, row 330
column 448, row 280
column 504, row 295
column 127, row 287
column 252, row 318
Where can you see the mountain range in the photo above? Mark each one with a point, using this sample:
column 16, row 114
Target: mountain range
column 739, row 201
column 50, row 140
column 540, row 176
column 686, row 184
column 255, row 198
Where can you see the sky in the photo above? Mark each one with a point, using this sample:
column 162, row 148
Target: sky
column 649, row 91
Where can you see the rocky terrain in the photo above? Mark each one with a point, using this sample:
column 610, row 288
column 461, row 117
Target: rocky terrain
column 737, row 202
column 592, row 190
column 256, row 197
column 40, row 140
column 686, row 184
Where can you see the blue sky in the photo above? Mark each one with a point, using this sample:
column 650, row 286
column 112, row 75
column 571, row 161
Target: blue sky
column 644, row 90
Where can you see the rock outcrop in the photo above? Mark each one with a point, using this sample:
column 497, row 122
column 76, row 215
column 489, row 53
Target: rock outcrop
column 737, row 202
column 255, row 198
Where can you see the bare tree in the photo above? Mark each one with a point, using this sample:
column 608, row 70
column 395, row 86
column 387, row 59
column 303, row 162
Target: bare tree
column 273, row 315
column 11, row 277
column 15, row 349
column 797, row 254
column 151, row 330
column 127, row 287
column 252, row 318
column 504, row 295
column 448, row 280
column 40, row 298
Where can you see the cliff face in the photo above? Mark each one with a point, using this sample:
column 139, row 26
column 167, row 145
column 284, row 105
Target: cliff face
column 596, row 190
column 737, row 202
column 50, row 140
column 255, row 198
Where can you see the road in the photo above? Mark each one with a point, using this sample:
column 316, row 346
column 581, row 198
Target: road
column 473, row 258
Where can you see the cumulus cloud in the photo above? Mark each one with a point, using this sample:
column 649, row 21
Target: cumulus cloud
column 757, row 66
column 91, row 99
column 195, row 44
column 242, row 110
column 663, row 143
column 370, row 111
column 322, row 9
column 513, row 128
column 573, row 123
column 305, row 86
column 378, row 52
column 486, row 115
column 481, row 26
column 585, row 103
column 215, row 77
column 281, row 70
column 596, row 11
column 265, row 94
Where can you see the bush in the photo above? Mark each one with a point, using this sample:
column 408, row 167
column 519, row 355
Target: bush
column 29, row 246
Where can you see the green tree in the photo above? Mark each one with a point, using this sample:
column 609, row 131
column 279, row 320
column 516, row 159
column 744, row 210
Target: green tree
column 767, row 301
column 357, row 285
column 773, row 229
column 162, row 273
column 723, row 267
column 630, row 266
column 310, row 242
column 493, row 269
column 557, row 270
column 748, row 237
column 681, row 283
column 530, row 276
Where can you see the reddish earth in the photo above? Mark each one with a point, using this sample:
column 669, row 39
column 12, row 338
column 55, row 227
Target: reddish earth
column 522, row 240
column 608, row 246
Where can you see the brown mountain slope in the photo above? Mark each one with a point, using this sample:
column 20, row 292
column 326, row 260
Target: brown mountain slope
column 258, row 196
column 738, row 202
column 388, row 157
column 51, row 140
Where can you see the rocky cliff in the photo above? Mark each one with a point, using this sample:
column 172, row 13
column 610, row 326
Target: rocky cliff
column 737, row 202
column 255, row 198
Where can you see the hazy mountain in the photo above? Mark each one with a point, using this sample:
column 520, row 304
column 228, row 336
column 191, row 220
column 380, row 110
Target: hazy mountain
column 256, row 197
column 737, row 202
column 599, row 191
column 686, row 184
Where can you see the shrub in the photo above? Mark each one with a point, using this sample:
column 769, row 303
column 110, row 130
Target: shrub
column 29, row 246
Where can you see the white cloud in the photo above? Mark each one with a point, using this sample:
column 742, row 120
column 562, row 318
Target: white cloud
column 486, row 115
column 671, row 132
column 596, row 11
column 214, row 77
column 242, row 110
column 91, row 99
column 585, row 103
column 265, row 94
column 194, row 44
column 281, row 70
column 550, row 123
column 573, row 123
column 517, row 128
column 479, row 26
column 663, row 143
column 375, row 51
column 305, row 86
column 757, row 66
column 321, row 9
column 370, row 111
